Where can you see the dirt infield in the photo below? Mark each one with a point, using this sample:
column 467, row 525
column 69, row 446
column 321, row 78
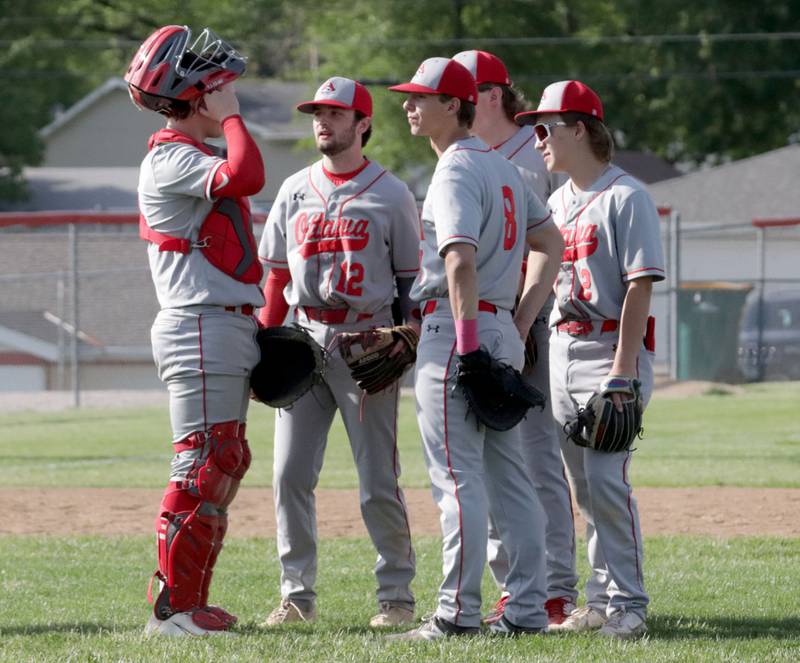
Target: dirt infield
column 722, row 512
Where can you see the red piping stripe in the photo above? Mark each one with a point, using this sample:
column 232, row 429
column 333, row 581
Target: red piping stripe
column 539, row 223
column 514, row 153
column 643, row 269
column 395, row 457
column 633, row 521
column 455, row 489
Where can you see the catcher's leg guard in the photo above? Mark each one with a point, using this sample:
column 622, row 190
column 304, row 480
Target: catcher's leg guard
column 193, row 521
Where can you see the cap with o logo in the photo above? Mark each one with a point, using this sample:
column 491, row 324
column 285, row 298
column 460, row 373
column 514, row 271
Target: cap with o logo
column 341, row 93
column 565, row 97
column 442, row 76
column 484, row 67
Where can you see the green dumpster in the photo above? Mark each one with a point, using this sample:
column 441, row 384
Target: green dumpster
column 709, row 313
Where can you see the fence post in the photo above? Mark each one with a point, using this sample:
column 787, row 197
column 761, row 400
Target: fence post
column 675, row 283
column 73, row 268
column 761, row 245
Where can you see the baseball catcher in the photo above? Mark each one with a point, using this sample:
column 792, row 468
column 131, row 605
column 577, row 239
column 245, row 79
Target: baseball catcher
column 385, row 354
column 602, row 425
column 291, row 363
column 495, row 391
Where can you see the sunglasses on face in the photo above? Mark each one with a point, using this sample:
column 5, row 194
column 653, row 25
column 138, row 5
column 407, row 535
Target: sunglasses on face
column 544, row 129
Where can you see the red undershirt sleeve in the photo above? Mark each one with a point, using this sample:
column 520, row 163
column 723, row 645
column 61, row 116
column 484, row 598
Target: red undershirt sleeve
column 242, row 174
column 275, row 306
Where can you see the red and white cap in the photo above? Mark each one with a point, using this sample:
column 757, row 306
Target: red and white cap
column 484, row 67
column 442, row 76
column 341, row 93
column 565, row 97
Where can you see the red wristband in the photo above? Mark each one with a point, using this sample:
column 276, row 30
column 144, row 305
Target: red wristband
column 466, row 336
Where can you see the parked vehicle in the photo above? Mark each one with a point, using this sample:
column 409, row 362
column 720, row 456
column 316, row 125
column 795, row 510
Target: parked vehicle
column 778, row 356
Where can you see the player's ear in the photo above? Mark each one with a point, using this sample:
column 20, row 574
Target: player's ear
column 453, row 105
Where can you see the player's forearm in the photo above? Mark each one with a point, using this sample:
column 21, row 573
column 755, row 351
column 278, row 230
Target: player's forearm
column 462, row 286
column 243, row 172
column 275, row 306
column 543, row 262
column 633, row 320
column 409, row 309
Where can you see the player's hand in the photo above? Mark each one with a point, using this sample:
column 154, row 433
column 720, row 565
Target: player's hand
column 616, row 398
column 220, row 103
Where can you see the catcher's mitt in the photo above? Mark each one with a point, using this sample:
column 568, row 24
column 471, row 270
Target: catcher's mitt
column 600, row 426
column 386, row 353
column 291, row 363
column 494, row 391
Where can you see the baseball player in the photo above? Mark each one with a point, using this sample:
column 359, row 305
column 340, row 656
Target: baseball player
column 203, row 260
column 498, row 103
column 478, row 218
column 342, row 235
column 612, row 257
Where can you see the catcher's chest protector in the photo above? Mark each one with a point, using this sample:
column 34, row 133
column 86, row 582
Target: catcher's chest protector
column 226, row 237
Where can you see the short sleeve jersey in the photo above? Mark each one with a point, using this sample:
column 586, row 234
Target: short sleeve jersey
column 175, row 198
column 521, row 150
column 343, row 244
column 612, row 236
column 477, row 197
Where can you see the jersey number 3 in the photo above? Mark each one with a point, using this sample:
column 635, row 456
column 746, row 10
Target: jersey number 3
column 350, row 275
column 510, row 227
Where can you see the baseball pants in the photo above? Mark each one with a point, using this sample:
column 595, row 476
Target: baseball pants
column 600, row 480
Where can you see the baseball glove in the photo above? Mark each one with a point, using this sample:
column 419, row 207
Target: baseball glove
column 495, row 392
column 291, row 363
column 386, row 353
column 600, row 426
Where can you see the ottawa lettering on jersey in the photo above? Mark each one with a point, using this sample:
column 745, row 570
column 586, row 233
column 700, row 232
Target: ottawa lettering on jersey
column 316, row 234
column 580, row 242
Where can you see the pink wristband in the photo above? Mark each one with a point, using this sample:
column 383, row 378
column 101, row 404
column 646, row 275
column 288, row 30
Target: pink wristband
column 466, row 336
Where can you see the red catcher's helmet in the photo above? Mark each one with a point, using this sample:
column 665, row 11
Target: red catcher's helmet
column 169, row 66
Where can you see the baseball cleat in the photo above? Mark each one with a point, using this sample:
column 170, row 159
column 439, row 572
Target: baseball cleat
column 433, row 629
column 624, row 626
column 503, row 627
column 288, row 612
column 581, row 620
column 220, row 613
column 497, row 611
column 182, row 624
column 558, row 609
column 392, row 615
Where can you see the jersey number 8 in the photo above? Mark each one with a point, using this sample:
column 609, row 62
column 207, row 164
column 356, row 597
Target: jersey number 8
column 510, row 228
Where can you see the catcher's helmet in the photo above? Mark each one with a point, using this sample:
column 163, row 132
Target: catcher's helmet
column 170, row 66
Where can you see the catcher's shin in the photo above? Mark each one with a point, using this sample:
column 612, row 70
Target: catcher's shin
column 291, row 363
column 385, row 354
column 495, row 392
column 600, row 426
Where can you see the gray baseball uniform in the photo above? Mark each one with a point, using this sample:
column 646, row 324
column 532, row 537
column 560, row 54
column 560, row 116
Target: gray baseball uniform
column 343, row 245
column 540, row 446
column 204, row 353
column 477, row 197
column 612, row 237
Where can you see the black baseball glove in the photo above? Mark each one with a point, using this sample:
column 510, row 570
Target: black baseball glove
column 386, row 353
column 495, row 392
column 291, row 363
column 600, row 426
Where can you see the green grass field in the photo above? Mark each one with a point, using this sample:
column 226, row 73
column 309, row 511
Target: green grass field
column 714, row 440
column 82, row 599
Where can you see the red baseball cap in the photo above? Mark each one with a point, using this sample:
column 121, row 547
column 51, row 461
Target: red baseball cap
column 484, row 67
column 442, row 76
column 565, row 97
column 341, row 93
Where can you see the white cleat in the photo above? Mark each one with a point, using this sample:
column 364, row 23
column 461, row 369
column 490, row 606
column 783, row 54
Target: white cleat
column 392, row 615
column 624, row 626
column 580, row 621
column 289, row 612
column 181, row 624
column 434, row 628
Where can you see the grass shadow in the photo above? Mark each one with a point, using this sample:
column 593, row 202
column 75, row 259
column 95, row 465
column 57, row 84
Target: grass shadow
column 678, row 627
